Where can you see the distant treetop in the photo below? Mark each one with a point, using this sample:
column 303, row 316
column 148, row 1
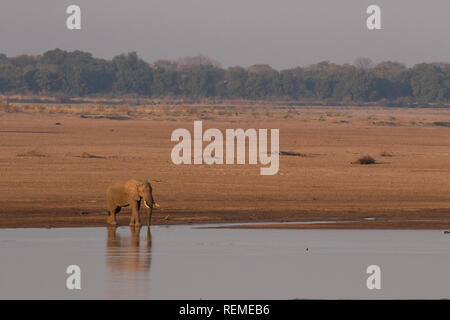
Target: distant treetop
column 62, row 73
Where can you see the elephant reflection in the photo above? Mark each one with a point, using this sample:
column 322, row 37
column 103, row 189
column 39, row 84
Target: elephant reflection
column 128, row 259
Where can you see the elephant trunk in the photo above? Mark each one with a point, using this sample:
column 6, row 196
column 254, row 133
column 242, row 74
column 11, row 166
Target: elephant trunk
column 149, row 203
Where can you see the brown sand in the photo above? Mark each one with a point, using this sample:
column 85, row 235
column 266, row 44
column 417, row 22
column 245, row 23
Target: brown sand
column 56, row 175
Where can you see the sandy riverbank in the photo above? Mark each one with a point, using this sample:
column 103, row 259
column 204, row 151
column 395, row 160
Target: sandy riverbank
column 55, row 168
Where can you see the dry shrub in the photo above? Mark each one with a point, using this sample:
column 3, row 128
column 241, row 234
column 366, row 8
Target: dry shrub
column 86, row 155
column 124, row 109
column 366, row 160
column 3, row 106
column 385, row 123
column 32, row 153
column 193, row 111
column 442, row 124
column 8, row 108
column 292, row 154
column 176, row 113
column 386, row 154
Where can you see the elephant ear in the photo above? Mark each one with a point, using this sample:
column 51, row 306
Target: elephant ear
column 133, row 188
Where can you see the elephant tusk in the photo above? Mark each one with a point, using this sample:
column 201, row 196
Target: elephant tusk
column 146, row 205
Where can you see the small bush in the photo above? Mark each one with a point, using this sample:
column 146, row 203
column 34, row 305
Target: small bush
column 385, row 123
column 366, row 160
column 292, row 154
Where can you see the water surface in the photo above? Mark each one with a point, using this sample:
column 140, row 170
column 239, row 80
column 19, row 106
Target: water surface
column 185, row 262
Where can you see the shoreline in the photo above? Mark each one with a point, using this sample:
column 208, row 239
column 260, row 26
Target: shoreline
column 355, row 225
column 418, row 220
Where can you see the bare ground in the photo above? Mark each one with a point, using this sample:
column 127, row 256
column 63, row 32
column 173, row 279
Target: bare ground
column 55, row 168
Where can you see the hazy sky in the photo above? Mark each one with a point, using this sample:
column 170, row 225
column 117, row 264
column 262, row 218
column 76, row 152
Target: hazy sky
column 282, row 33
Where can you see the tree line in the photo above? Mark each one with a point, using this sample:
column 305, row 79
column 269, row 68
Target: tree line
column 77, row 73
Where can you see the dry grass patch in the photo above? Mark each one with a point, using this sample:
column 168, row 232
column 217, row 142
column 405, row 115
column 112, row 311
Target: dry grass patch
column 386, row 154
column 32, row 153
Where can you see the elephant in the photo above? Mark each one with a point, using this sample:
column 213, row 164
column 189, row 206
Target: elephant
column 132, row 193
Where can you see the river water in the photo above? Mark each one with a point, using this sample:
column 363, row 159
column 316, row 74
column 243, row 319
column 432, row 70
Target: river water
column 188, row 262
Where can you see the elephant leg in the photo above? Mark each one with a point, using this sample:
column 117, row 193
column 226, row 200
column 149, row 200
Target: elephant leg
column 135, row 220
column 138, row 218
column 112, row 215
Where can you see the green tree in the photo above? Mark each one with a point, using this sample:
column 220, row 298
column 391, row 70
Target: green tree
column 236, row 79
column 132, row 75
column 428, row 83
